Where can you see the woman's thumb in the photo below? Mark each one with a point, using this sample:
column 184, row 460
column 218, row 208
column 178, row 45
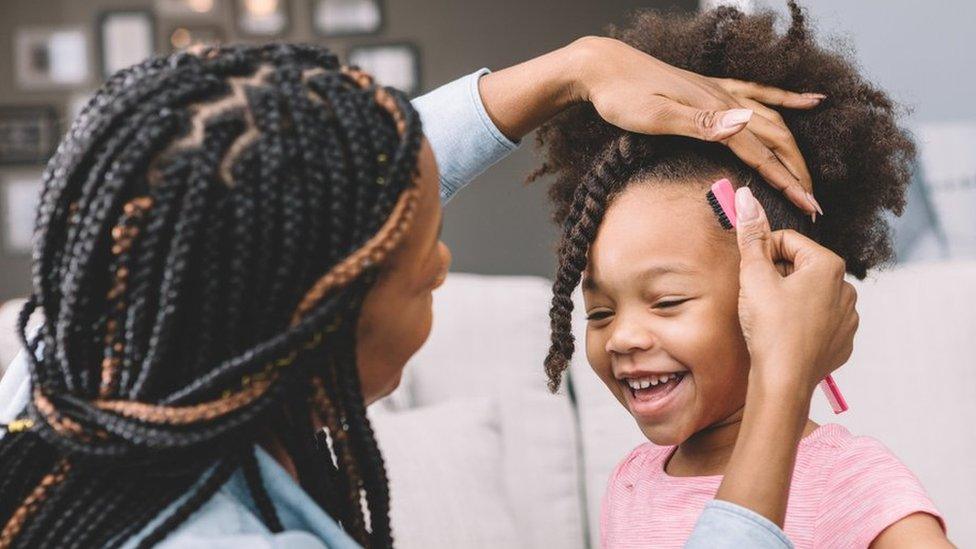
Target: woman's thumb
column 752, row 230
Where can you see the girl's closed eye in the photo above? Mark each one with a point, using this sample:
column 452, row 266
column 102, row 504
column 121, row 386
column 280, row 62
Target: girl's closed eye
column 598, row 314
column 671, row 303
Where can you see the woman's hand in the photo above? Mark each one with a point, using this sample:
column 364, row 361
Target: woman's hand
column 798, row 317
column 639, row 93
column 798, row 327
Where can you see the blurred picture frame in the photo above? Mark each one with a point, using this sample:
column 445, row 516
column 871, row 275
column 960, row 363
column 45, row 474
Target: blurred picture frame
column 20, row 192
column 181, row 37
column 28, row 133
column 51, row 57
column 125, row 38
column 334, row 18
column 395, row 64
column 262, row 18
column 188, row 9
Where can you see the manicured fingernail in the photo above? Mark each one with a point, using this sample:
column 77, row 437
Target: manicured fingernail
column 735, row 117
column 815, row 96
column 814, row 203
column 813, row 217
column 746, row 207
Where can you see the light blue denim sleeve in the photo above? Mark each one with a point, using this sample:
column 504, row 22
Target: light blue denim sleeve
column 464, row 139
column 14, row 389
column 725, row 525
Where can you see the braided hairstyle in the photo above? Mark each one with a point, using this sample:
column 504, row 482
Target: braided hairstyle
column 208, row 230
column 858, row 156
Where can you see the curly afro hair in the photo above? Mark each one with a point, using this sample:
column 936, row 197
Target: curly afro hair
column 859, row 158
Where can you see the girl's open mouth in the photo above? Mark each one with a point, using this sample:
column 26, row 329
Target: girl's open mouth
column 650, row 396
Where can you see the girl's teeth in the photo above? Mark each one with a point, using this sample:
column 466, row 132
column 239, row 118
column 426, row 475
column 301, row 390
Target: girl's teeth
column 645, row 382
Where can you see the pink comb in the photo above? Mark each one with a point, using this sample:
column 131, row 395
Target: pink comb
column 722, row 199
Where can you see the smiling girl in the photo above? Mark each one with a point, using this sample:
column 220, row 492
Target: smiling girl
column 660, row 281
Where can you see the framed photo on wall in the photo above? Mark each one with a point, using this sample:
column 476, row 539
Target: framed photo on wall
column 28, row 134
column 188, row 9
column 346, row 17
column 396, row 65
column 184, row 36
column 19, row 195
column 262, row 18
column 125, row 37
column 50, row 57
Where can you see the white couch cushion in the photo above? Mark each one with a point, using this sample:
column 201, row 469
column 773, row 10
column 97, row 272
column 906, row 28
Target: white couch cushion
column 911, row 380
column 446, row 486
column 488, row 343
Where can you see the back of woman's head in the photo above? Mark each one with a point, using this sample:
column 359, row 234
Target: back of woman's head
column 858, row 157
column 207, row 232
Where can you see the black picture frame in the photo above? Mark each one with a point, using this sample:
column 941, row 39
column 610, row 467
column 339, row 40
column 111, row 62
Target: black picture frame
column 237, row 11
column 314, row 4
column 103, row 18
column 408, row 46
column 29, row 134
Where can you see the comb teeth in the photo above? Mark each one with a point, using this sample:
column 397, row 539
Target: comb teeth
column 719, row 212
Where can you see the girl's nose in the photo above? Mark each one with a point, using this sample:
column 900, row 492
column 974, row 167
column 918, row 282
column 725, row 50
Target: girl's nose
column 629, row 336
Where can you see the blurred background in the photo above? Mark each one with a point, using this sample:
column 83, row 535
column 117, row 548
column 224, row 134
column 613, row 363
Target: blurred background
column 54, row 53
column 527, row 470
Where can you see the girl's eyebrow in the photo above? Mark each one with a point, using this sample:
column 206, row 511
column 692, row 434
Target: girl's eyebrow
column 659, row 269
column 668, row 268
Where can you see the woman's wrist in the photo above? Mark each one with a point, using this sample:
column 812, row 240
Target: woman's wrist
column 759, row 472
column 520, row 98
column 781, row 378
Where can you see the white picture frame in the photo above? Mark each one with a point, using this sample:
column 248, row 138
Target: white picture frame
column 332, row 18
column 51, row 57
column 21, row 191
column 188, row 9
column 125, row 38
column 394, row 65
column 262, row 18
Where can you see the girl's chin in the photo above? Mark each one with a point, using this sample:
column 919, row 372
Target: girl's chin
column 664, row 435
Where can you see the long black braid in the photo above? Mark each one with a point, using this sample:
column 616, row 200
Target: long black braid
column 208, row 230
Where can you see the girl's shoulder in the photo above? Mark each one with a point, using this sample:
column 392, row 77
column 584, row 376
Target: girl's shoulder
column 860, row 486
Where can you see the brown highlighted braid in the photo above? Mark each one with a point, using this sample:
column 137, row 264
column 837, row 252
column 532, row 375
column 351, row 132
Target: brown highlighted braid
column 859, row 157
column 208, row 230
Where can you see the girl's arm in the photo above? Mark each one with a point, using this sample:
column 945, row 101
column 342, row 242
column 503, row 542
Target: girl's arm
column 917, row 530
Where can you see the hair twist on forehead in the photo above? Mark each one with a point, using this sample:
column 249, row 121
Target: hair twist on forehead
column 207, row 232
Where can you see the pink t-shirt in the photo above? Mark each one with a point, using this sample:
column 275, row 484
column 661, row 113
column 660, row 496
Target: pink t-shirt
column 845, row 491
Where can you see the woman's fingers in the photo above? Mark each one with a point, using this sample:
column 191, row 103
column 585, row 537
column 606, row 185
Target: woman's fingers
column 751, row 150
column 753, row 235
column 770, row 95
column 673, row 118
column 790, row 246
column 779, row 140
column 770, row 127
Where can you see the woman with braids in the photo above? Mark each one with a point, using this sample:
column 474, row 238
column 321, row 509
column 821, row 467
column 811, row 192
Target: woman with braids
column 664, row 287
column 234, row 256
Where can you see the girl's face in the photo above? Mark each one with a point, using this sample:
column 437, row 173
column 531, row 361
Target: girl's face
column 661, row 291
column 396, row 316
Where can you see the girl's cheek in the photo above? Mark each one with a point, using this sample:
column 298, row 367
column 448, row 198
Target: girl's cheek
column 596, row 352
